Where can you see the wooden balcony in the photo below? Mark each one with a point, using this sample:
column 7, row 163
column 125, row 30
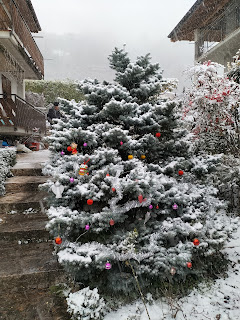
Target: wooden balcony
column 20, row 118
column 16, row 37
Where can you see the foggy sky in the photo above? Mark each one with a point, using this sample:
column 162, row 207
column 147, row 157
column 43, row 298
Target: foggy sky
column 79, row 35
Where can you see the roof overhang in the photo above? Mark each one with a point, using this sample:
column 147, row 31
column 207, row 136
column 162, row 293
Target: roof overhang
column 202, row 13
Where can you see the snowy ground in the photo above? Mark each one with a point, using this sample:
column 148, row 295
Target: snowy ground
column 220, row 302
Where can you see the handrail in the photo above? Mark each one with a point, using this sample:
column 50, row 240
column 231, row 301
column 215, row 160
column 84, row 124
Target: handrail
column 22, row 114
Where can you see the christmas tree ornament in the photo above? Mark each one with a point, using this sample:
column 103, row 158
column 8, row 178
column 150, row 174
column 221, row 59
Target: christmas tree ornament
column 69, row 149
column 151, row 206
column 87, row 227
column 85, row 144
column 173, row 271
column 58, row 189
column 107, row 175
column 71, row 180
column 73, row 145
column 140, row 198
column 189, row 265
column 89, row 202
column 157, row 206
column 180, row 172
column 108, row 265
column 58, row 240
column 62, row 153
column 158, row 134
column 130, row 156
column 147, row 217
column 83, row 168
column 111, row 222
column 121, row 143
column 113, row 189
column 175, row 206
column 196, row 242
column 74, row 151
column 143, row 156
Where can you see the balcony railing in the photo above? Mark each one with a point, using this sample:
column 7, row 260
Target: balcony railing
column 16, row 23
column 223, row 26
column 20, row 114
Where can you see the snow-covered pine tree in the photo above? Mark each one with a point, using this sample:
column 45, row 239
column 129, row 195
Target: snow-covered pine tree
column 140, row 201
column 212, row 110
column 234, row 68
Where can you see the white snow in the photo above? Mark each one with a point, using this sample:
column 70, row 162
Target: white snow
column 219, row 301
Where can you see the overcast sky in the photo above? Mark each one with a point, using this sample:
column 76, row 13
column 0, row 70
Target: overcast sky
column 79, row 35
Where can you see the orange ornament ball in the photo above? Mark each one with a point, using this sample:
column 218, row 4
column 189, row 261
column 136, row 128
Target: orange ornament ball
column 196, row 242
column 111, row 222
column 70, row 149
column 89, row 202
column 130, row 157
column 180, row 172
column 189, row 265
column 158, row 134
column 143, row 156
column 58, row 240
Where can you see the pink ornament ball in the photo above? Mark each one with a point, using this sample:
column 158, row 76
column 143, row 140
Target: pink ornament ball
column 175, row 206
column 150, row 207
column 62, row 152
column 85, row 144
column 108, row 266
column 71, row 180
column 121, row 143
column 87, row 226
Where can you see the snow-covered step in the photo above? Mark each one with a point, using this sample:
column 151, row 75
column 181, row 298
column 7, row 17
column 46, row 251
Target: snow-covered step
column 21, row 201
column 24, row 183
column 25, row 257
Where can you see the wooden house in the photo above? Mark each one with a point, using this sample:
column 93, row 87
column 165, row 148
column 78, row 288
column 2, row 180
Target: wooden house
column 214, row 26
column 20, row 59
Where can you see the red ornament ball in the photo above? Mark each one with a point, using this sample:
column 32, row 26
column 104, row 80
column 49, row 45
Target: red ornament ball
column 89, row 202
column 113, row 189
column 111, row 222
column 107, row 175
column 157, row 207
column 58, row 240
column 189, row 265
column 158, row 134
column 70, row 149
column 180, row 172
column 196, row 242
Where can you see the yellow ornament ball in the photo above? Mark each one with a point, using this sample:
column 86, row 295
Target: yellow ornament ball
column 143, row 156
column 130, row 157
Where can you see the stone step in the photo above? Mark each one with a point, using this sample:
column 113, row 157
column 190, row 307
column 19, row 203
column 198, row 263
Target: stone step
column 31, row 296
column 13, row 218
column 24, row 183
column 17, row 258
column 21, row 201
column 35, row 171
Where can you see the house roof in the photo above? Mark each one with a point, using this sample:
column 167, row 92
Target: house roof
column 29, row 14
column 202, row 13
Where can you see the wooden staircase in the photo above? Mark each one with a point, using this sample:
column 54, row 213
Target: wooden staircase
column 29, row 271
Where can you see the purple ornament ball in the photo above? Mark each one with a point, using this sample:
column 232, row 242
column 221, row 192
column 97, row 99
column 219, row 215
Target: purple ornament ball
column 87, row 226
column 108, row 266
column 150, row 207
column 175, row 206
column 85, row 144
column 62, row 152
column 71, row 180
